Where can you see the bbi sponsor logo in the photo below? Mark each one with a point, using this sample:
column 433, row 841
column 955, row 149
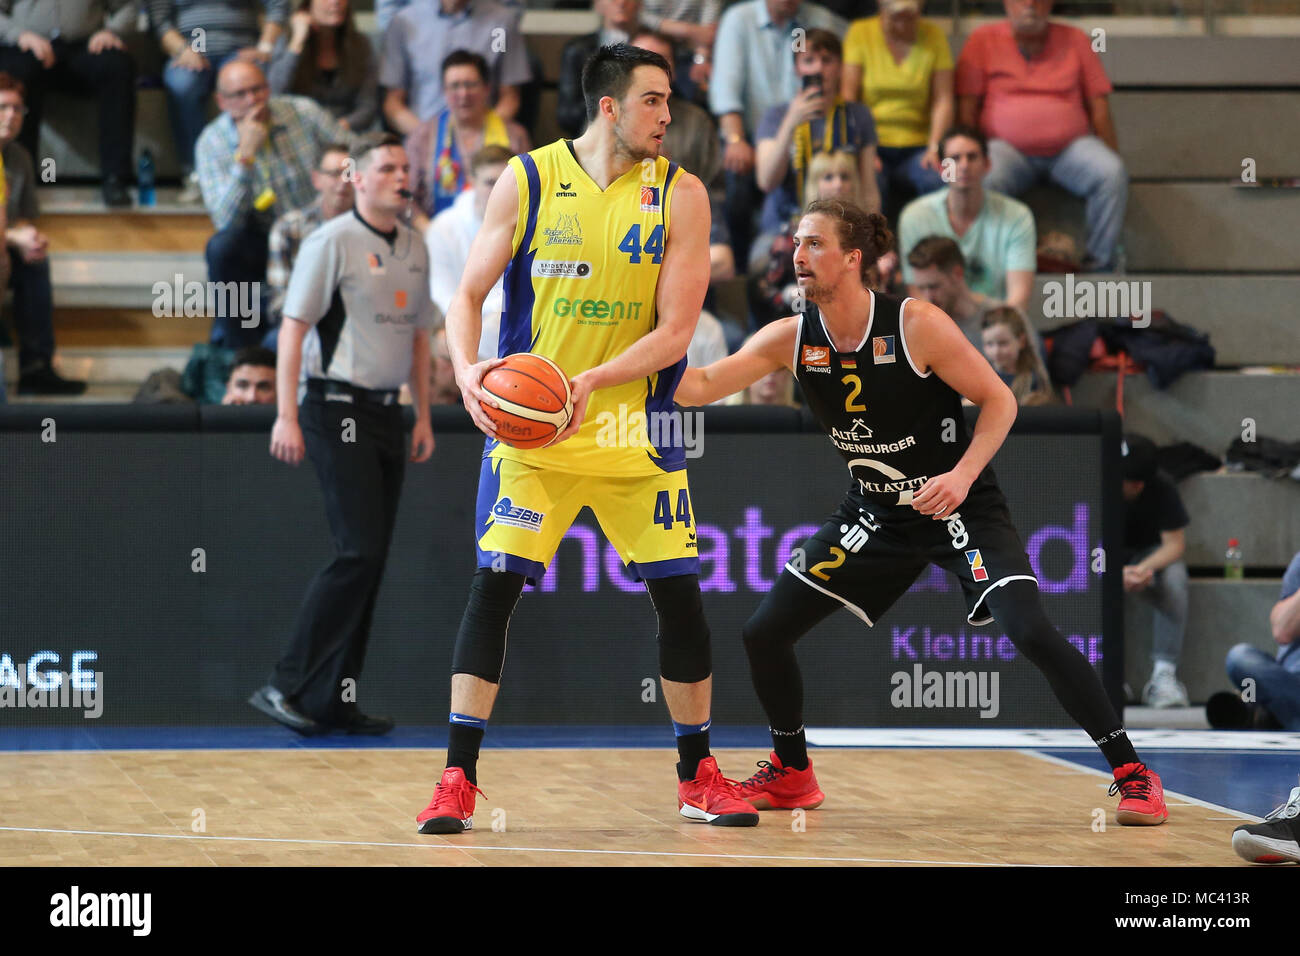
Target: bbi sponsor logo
column 508, row 513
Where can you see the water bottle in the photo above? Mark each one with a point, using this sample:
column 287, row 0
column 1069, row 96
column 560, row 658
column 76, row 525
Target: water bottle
column 144, row 178
column 1233, row 565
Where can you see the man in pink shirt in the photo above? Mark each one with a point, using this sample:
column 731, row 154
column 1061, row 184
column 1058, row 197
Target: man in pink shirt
column 1038, row 91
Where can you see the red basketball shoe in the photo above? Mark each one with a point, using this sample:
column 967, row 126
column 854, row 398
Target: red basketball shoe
column 712, row 798
column 775, row 787
column 452, row 808
column 1142, row 798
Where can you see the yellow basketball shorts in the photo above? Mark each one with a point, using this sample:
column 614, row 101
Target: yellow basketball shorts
column 523, row 514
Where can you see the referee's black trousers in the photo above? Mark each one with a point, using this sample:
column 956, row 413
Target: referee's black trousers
column 361, row 481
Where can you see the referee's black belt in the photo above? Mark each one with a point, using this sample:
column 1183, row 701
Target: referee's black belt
column 333, row 391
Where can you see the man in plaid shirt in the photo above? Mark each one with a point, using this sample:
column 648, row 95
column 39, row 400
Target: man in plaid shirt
column 255, row 163
column 334, row 197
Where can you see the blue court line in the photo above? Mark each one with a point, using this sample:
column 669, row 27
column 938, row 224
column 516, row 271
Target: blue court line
column 434, row 738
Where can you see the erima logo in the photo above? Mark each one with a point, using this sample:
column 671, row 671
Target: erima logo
column 976, row 562
column 564, row 191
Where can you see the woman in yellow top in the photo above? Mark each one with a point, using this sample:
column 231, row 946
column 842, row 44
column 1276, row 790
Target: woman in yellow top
column 901, row 67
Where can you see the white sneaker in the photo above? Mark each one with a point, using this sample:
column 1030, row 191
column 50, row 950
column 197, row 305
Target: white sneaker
column 1163, row 690
column 190, row 193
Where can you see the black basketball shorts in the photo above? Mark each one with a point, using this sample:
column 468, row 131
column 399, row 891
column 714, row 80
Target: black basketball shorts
column 868, row 554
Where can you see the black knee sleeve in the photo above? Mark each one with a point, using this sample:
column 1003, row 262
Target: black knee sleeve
column 685, row 656
column 481, row 641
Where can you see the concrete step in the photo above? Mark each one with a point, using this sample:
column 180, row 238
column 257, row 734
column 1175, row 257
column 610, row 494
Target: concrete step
column 1191, row 227
column 1251, row 320
column 1205, row 408
column 1221, row 614
column 107, row 370
column 120, row 280
column 1262, row 513
column 1245, row 125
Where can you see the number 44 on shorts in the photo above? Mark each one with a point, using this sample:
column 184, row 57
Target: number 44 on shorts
column 663, row 510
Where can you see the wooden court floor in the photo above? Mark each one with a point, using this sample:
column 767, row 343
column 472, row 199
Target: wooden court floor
column 571, row 807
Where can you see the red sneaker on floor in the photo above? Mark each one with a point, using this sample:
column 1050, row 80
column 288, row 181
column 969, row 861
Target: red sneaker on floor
column 775, row 787
column 1142, row 798
column 712, row 798
column 452, row 808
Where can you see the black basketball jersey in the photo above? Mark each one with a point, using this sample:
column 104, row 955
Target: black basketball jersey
column 895, row 427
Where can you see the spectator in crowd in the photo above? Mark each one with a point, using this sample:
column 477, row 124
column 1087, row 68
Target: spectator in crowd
column 76, row 46
column 385, row 10
column 692, row 25
column 692, row 142
column 938, row 271
column 333, row 197
column 995, row 232
column 774, row 388
column 452, row 232
column 443, row 389
column 1009, row 349
column 252, row 378
column 1276, row 698
column 28, row 262
column 1039, row 92
column 619, row 19
column 773, row 290
column 419, row 38
column 900, row 66
column 327, row 58
column 1154, row 519
column 200, row 37
column 816, row 121
column 254, row 162
column 440, row 147
column 754, row 70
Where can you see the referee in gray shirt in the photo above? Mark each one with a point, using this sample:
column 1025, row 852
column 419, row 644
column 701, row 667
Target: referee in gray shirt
column 357, row 319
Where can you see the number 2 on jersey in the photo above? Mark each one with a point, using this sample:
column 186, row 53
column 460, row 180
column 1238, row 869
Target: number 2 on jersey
column 855, row 389
column 654, row 245
column 663, row 510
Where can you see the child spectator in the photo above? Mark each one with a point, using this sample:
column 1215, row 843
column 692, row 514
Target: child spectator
column 1007, row 346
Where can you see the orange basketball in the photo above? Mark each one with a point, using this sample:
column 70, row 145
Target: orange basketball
column 535, row 400
column 878, row 347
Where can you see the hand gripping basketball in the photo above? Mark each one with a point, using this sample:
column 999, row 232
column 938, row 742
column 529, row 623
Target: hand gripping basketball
column 534, row 398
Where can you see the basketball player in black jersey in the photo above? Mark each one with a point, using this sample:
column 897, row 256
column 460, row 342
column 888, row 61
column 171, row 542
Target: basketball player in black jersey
column 885, row 377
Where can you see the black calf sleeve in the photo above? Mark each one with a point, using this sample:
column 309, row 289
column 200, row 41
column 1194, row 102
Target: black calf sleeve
column 481, row 641
column 1018, row 610
column 788, row 612
column 685, row 656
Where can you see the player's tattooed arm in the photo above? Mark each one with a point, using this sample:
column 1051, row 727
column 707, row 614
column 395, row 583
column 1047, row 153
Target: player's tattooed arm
column 770, row 348
column 936, row 344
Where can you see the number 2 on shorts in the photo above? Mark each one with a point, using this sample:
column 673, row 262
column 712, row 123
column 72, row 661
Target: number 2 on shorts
column 821, row 567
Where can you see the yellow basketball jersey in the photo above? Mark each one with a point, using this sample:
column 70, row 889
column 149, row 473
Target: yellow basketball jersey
column 580, row 289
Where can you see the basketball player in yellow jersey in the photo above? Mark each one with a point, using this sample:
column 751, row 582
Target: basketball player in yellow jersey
column 604, row 246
